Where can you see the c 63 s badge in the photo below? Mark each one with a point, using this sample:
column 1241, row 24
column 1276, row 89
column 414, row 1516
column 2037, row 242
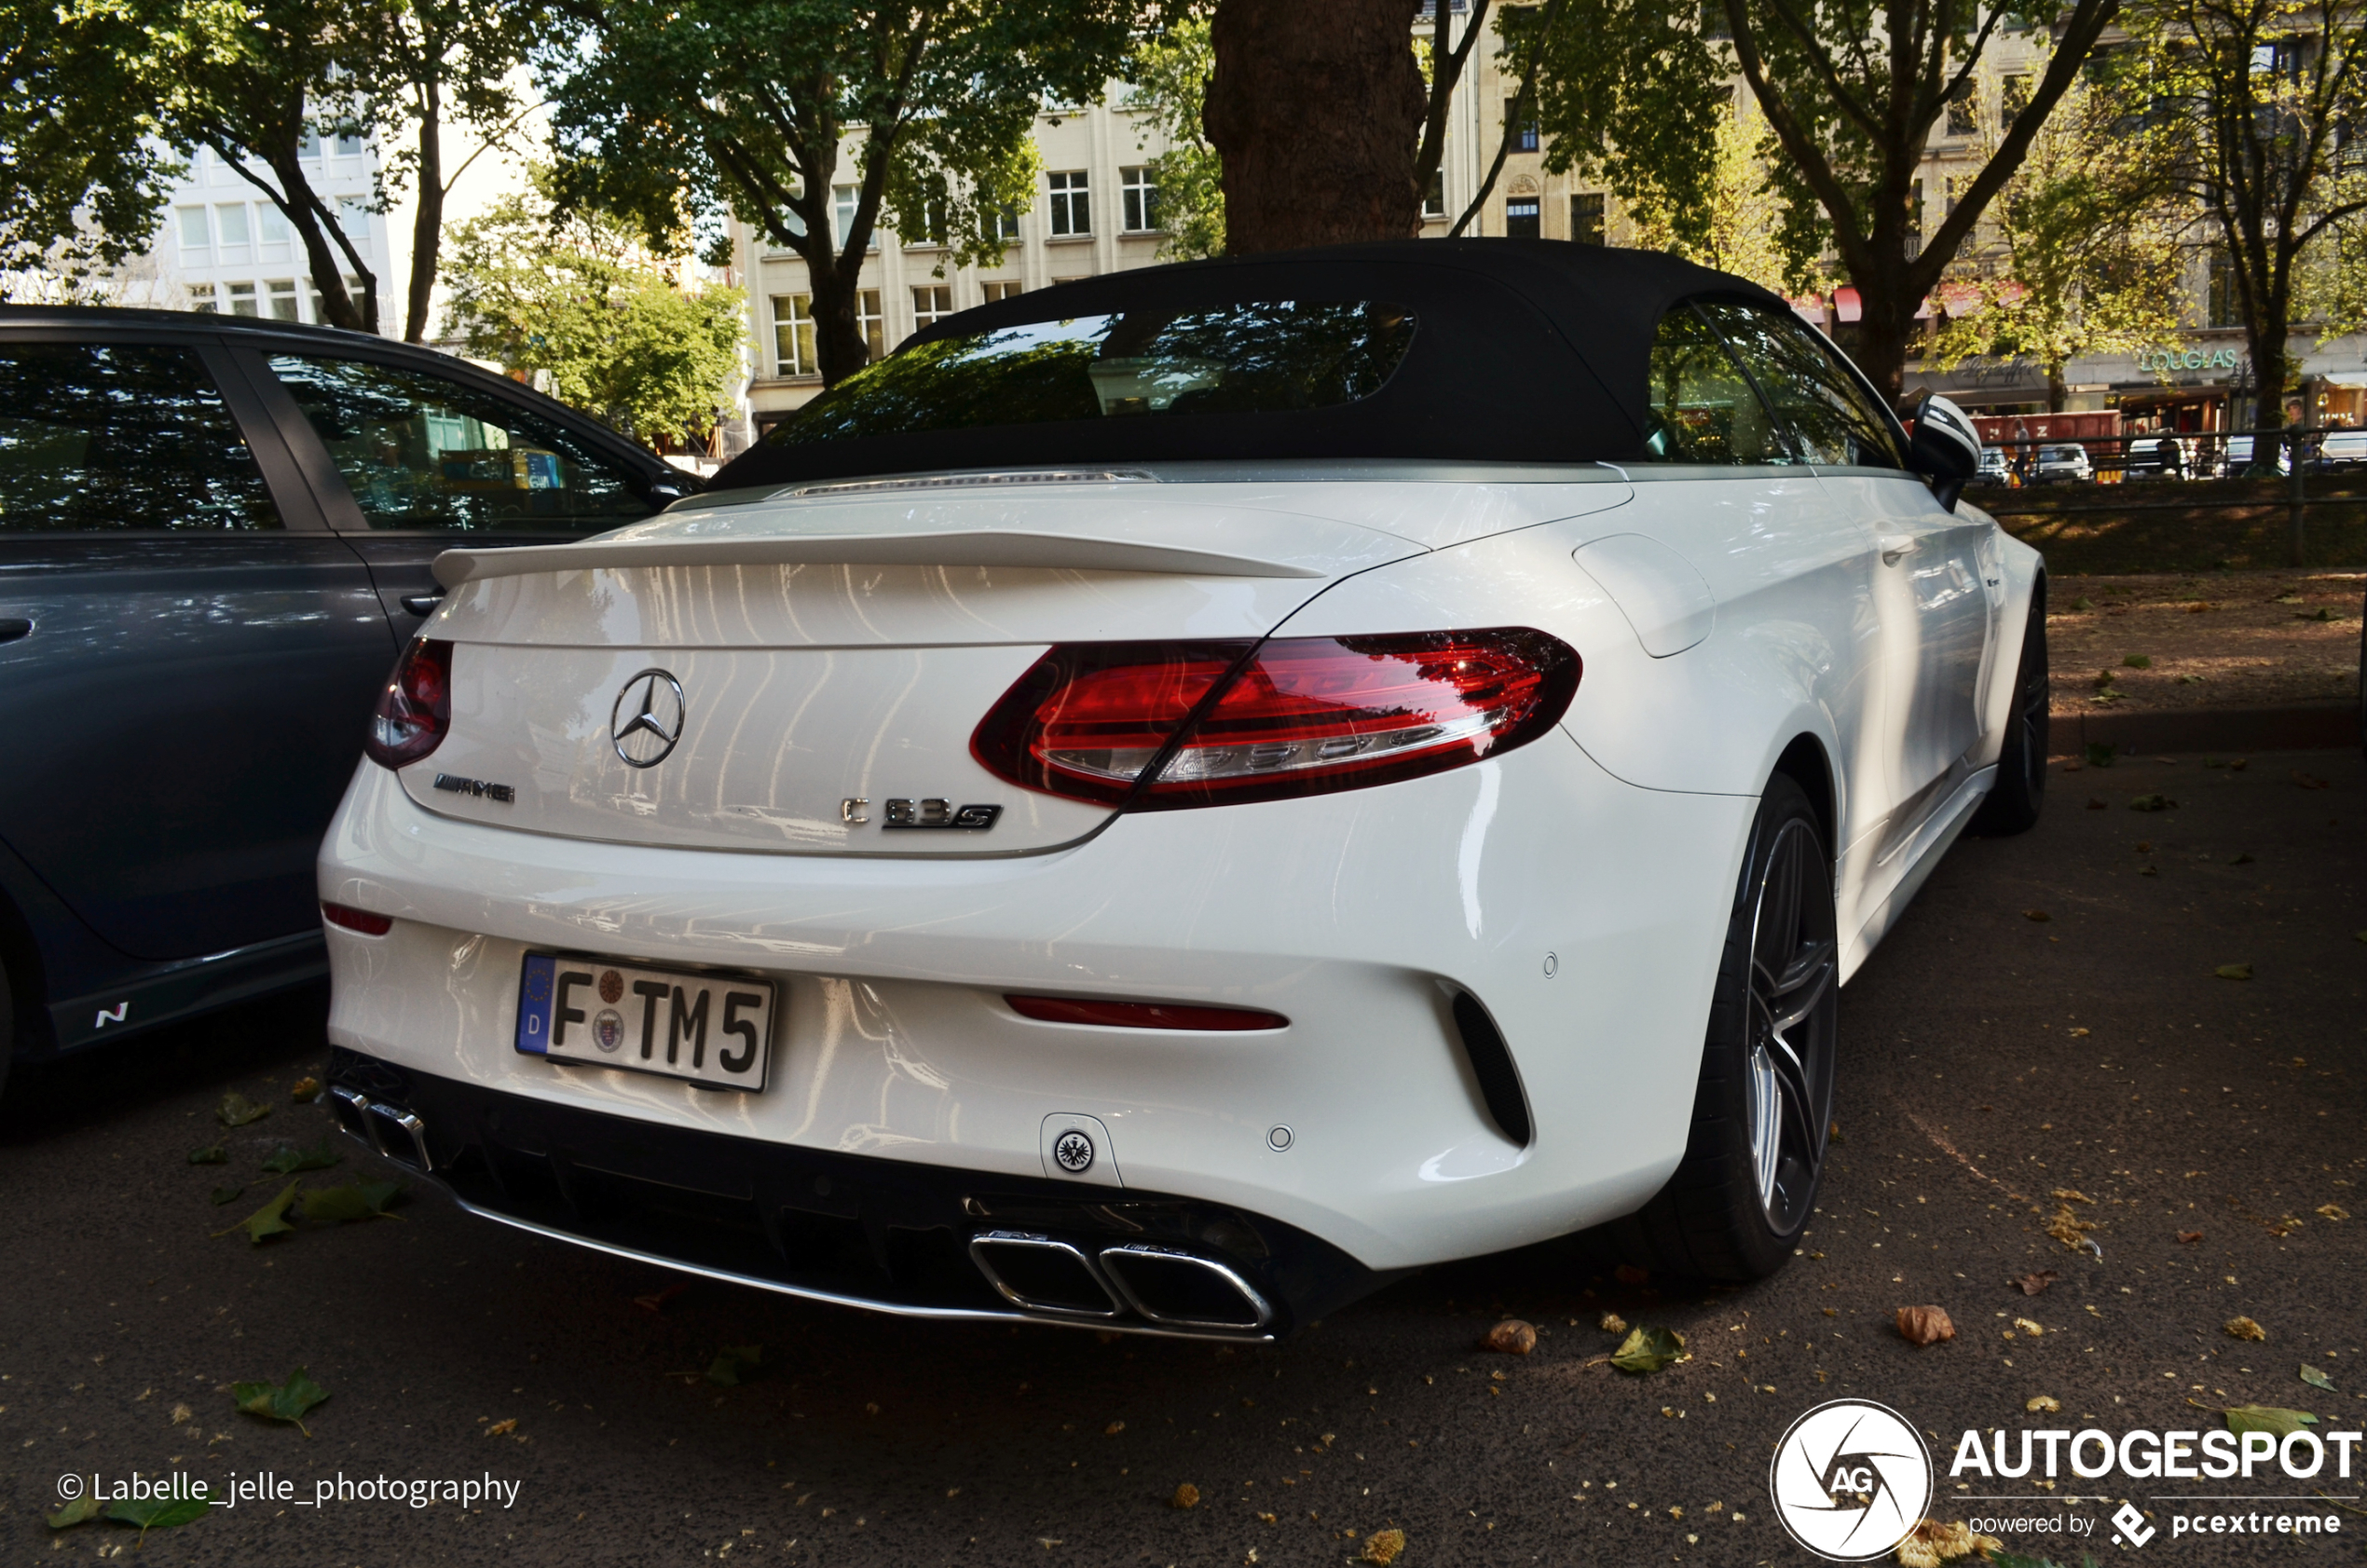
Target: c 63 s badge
column 899, row 815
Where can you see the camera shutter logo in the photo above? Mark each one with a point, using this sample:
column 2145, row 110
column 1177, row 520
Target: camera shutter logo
column 1851, row 1479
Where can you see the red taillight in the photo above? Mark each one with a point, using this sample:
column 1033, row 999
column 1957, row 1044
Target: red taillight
column 1140, row 1015
column 1298, row 715
column 416, row 708
column 353, row 918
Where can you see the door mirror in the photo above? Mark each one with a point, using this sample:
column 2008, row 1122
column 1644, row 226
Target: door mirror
column 1941, row 446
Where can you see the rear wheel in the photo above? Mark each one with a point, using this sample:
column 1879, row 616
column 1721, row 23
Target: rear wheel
column 7, row 1027
column 1737, row 1203
column 2020, row 790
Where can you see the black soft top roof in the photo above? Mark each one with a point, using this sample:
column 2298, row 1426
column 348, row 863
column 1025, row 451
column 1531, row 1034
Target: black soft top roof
column 1525, row 350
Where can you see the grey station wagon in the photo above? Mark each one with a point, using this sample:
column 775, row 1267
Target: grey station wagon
column 214, row 538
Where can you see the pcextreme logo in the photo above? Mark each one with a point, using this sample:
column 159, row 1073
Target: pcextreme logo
column 1851, row 1479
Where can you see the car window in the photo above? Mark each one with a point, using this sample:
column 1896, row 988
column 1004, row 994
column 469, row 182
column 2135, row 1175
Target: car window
column 1702, row 409
column 110, row 436
column 421, row 452
column 1831, row 417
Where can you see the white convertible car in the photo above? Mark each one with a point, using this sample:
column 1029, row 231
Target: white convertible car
column 1169, row 802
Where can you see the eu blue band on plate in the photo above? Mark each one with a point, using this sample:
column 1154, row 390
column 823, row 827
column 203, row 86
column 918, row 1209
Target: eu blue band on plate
column 535, row 990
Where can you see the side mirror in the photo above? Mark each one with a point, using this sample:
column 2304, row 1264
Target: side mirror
column 1942, row 446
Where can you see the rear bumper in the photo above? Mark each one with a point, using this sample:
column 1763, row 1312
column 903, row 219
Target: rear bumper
column 1369, row 920
column 925, row 1241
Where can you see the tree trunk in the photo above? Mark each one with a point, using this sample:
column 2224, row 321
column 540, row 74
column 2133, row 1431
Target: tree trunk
column 839, row 343
column 303, row 208
column 1316, row 107
column 427, row 228
column 2057, row 391
column 1883, row 330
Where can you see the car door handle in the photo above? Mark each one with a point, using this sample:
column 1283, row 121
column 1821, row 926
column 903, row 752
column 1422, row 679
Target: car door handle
column 423, row 603
column 12, row 627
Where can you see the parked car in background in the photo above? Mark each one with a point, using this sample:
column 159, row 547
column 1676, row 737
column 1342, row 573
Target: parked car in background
column 2340, row 451
column 2062, row 464
column 2156, row 457
column 214, row 538
column 1995, row 468
column 1168, row 801
column 2239, row 455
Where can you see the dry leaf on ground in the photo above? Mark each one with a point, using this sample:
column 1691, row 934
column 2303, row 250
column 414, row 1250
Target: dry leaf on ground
column 1383, row 1548
column 2234, row 972
column 2042, row 1404
column 1648, row 1349
column 1924, row 1325
column 1186, row 1496
column 1614, row 1324
column 2244, row 1328
column 2031, row 1284
column 2333, row 1212
column 2027, row 1327
column 1512, row 1337
column 1932, row 1542
column 2190, row 1238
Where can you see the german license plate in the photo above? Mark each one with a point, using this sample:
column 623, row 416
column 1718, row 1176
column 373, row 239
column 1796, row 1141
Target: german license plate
column 710, row 1029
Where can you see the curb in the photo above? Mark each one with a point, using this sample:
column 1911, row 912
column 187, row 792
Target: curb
column 2296, row 727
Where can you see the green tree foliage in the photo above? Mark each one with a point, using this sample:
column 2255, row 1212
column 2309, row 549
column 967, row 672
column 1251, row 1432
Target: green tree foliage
column 919, row 112
column 575, row 296
column 1852, row 91
column 2088, row 240
column 2267, row 99
column 1169, row 74
column 81, row 179
column 1732, row 225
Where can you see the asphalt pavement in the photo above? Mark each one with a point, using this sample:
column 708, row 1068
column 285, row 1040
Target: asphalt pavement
column 2051, row 1018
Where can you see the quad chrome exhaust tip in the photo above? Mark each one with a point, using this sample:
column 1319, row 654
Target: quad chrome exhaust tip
column 392, row 1131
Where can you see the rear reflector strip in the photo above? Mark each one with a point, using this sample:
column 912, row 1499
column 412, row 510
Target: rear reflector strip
column 353, row 918
column 1142, row 1014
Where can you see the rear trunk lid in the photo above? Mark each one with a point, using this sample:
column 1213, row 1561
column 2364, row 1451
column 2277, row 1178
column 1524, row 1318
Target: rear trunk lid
column 803, row 674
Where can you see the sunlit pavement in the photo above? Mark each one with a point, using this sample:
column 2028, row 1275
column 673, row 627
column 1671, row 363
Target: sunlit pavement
column 1990, row 1059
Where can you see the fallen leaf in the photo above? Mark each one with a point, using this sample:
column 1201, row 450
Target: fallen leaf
column 2046, row 1404
column 1512, row 1337
column 236, row 1110
column 2039, row 914
column 2083, row 603
column 2267, row 1418
column 2151, row 803
column 1614, row 1324
column 162, row 1513
column 732, row 1361
column 2189, row 1237
column 2078, row 1032
column 1932, row 1542
column 2316, row 1379
column 1924, row 1325
column 2136, row 661
column 228, row 1195
column 1186, row 1496
column 2244, row 1328
column 502, row 1429
column 82, row 1510
column 2333, row 1212
column 288, row 1159
column 1648, row 1349
column 2031, row 1284
column 360, row 1200
column 286, row 1401
column 2067, row 1228
column 269, row 1220
column 304, row 1090
column 2239, row 765
column 2234, row 972
column 1114, row 1428
column 2027, row 1327
column 1383, row 1548
column 1628, row 1273
column 2072, row 1194
column 182, row 1415
column 214, row 1155
column 2309, row 780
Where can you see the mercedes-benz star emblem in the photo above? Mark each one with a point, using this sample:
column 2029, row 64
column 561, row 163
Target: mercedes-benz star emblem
column 646, row 721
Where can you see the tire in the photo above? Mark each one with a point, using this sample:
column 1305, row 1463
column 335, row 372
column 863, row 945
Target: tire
column 2021, row 791
column 7, row 1027
column 2362, row 678
column 1762, row 1110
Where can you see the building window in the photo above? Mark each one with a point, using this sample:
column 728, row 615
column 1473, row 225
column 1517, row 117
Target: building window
column 2013, row 97
column 1521, row 220
column 1963, row 110
column 1140, row 193
column 1434, row 195
column 793, row 336
column 1006, row 222
column 283, row 299
column 197, row 240
column 842, row 202
column 201, row 299
column 1001, row 291
column 309, row 145
column 1714, row 19
column 871, row 323
column 2223, row 307
column 349, row 143
column 1072, row 204
column 353, row 292
column 1915, row 217
column 271, row 232
column 354, row 216
column 230, row 225
column 931, row 304
column 1525, row 139
column 242, row 300
column 1586, row 217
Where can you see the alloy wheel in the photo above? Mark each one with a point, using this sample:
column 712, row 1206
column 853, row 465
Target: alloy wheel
column 1792, row 1002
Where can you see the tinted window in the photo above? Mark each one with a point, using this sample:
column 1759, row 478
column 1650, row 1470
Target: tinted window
column 421, row 452
column 1259, row 357
column 1702, row 410
column 1830, row 418
column 102, row 437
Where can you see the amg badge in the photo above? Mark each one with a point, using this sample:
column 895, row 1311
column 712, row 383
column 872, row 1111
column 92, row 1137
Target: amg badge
column 898, row 814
